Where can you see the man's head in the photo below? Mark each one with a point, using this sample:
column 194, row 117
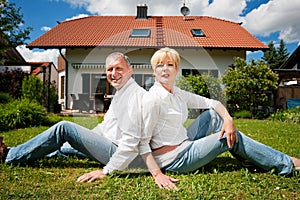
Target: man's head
column 118, row 69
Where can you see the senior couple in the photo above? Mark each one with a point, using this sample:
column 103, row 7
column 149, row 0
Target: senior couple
column 146, row 129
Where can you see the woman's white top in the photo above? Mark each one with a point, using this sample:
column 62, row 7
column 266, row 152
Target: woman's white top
column 164, row 115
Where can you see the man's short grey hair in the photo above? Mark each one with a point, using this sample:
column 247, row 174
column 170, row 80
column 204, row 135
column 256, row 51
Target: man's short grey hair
column 113, row 56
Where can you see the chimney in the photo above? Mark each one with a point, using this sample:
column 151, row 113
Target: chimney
column 141, row 11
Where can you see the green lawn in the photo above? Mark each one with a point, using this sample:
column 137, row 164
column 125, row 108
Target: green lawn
column 224, row 178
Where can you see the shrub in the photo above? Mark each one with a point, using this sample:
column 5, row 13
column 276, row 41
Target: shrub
column 32, row 88
column 245, row 114
column 5, row 97
column 22, row 113
column 205, row 85
column 290, row 116
column 248, row 85
column 11, row 82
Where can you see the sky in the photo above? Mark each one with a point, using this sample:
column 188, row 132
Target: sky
column 267, row 20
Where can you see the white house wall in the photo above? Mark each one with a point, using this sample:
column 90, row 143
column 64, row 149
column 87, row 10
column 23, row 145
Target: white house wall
column 190, row 59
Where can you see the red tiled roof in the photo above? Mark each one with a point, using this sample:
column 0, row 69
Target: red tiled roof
column 171, row 31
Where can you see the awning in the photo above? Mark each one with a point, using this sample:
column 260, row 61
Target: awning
column 102, row 66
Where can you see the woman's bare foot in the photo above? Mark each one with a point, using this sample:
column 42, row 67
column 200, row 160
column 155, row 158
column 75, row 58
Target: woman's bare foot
column 296, row 163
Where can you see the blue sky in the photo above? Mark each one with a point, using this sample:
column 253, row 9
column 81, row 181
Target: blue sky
column 266, row 20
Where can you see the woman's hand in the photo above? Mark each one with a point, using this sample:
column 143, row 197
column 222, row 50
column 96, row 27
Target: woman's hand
column 230, row 131
column 164, row 181
column 91, row 176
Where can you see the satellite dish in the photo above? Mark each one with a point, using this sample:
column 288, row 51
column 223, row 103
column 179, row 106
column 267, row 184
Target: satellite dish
column 185, row 10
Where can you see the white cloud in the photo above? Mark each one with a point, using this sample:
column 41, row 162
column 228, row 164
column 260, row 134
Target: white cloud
column 276, row 15
column 228, row 9
column 45, row 28
column 49, row 55
column 77, row 17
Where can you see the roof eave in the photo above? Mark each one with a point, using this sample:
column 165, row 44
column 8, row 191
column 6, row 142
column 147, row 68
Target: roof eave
column 156, row 47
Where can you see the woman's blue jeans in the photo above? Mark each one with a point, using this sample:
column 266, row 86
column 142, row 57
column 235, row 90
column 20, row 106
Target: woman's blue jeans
column 84, row 142
column 207, row 145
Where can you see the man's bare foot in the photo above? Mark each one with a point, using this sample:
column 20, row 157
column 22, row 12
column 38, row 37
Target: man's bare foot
column 296, row 163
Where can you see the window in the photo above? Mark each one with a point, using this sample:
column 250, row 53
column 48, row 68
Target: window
column 62, row 87
column 197, row 33
column 140, row 33
column 144, row 80
column 186, row 72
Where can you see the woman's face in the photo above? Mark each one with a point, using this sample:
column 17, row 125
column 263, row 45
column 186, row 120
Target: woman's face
column 165, row 73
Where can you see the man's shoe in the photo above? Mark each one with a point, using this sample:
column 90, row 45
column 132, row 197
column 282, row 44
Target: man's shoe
column 3, row 150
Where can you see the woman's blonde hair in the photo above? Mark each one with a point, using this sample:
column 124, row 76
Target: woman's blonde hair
column 160, row 54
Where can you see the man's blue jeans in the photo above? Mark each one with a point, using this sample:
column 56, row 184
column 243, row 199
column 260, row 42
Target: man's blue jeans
column 84, row 142
column 207, row 145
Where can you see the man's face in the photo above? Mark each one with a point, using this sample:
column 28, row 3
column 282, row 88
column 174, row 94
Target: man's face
column 118, row 73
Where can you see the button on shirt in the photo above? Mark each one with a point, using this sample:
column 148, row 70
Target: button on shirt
column 164, row 115
column 122, row 125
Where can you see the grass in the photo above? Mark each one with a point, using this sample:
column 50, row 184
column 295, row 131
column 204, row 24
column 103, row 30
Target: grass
column 224, row 178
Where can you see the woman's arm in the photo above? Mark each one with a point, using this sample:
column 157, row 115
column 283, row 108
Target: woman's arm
column 162, row 180
column 228, row 125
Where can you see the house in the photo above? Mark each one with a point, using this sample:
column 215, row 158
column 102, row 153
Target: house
column 206, row 45
column 289, row 82
column 10, row 58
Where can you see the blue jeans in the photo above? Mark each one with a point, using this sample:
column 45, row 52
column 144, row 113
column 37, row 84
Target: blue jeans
column 82, row 140
column 67, row 138
column 207, row 145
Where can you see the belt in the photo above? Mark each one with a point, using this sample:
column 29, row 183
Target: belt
column 163, row 149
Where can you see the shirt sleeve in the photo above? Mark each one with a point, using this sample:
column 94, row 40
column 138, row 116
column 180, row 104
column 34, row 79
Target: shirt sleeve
column 199, row 102
column 127, row 150
column 150, row 110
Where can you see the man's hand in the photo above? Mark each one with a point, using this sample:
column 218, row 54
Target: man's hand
column 230, row 131
column 164, row 181
column 91, row 176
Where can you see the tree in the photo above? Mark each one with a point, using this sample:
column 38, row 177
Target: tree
column 12, row 30
column 247, row 85
column 12, row 25
column 275, row 57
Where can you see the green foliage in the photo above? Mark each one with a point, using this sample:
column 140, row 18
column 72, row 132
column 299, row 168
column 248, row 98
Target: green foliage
column 276, row 57
column 290, row 115
column 11, row 82
column 5, row 98
column 247, row 85
column 205, row 85
column 12, row 25
column 21, row 113
column 32, row 88
column 245, row 114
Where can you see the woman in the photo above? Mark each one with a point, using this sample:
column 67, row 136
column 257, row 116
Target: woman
column 175, row 148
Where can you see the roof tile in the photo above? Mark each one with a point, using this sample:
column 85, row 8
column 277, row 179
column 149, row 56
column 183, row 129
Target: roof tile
column 173, row 31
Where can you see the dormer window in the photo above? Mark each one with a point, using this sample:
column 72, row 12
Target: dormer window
column 197, row 33
column 140, row 33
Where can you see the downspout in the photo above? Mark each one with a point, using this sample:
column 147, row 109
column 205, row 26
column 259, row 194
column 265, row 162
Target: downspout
column 66, row 79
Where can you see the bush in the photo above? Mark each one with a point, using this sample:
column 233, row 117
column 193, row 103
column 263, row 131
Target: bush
column 11, row 82
column 22, row 113
column 205, row 85
column 290, row 116
column 245, row 114
column 5, row 98
column 32, row 88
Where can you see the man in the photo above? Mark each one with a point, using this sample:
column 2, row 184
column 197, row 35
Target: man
column 113, row 143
